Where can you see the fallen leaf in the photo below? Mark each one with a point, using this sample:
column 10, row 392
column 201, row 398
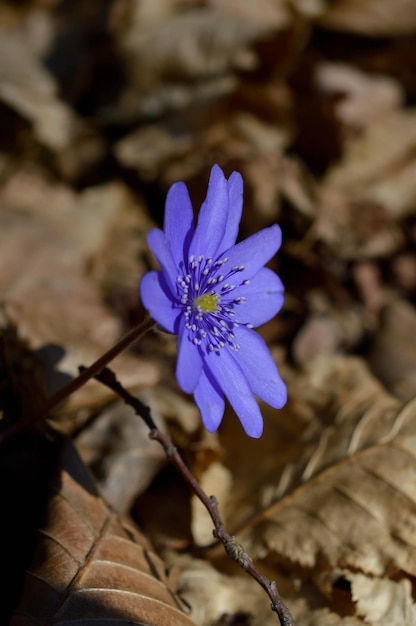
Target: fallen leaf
column 378, row 166
column 234, row 595
column 364, row 96
column 59, row 236
column 116, row 446
column 90, row 565
column 371, row 17
column 217, row 480
column 29, row 89
column 328, row 329
column 393, row 351
column 383, row 601
column 355, row 227
column 351, row 500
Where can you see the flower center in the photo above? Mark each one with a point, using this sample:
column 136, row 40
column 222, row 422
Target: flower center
column 206, row 303
column 206, row 296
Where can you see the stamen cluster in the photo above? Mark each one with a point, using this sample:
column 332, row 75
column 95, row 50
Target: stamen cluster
column 208, row 308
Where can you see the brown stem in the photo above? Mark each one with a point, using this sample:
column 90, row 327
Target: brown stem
column 76, row 383
column 233, row 549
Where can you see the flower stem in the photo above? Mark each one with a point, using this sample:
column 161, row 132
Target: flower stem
column 76, row 383
column 233, row 549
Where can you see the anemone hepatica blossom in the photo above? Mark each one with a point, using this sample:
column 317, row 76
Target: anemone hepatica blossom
column 212, row 292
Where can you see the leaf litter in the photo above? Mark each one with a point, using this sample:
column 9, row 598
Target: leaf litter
column 314, row 103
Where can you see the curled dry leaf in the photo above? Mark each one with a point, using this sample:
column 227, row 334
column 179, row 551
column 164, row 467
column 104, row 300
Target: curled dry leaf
column 351, row 500
column 91, row 567
column 383, row 601
column 364, row 97
column 177, row 58
column 235, row 596
column 197, row 42
column 30, row 90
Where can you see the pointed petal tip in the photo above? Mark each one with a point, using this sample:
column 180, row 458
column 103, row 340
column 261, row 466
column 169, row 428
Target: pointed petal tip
column 282, row 398
column 278, row 234
column 211, row 428
column 154, row 233
column 178, row 199
column 216, row 177
column 216, row 170
column 254, row 428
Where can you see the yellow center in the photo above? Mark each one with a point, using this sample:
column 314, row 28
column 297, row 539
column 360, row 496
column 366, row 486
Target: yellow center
column 207, row 303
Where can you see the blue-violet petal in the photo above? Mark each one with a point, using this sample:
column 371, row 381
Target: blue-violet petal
column 235, row 208
column 160, row 248
column 252, row 253
column 210, row 401
column 212, row 217
column 179, row 222
column 264, row 379
column 157, row 299
column 236, row 387
column 263, row 298
column 189, row 363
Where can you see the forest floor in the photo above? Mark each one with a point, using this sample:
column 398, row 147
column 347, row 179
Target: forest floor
column 103, row 105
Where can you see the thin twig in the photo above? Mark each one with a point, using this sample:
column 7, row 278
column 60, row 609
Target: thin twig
column 76, row 383
column 233, row 549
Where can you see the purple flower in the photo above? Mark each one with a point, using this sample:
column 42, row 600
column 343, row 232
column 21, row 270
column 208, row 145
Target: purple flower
column 211, row 292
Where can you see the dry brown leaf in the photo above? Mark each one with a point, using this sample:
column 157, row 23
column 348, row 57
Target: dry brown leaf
column 234, row 595
column 59, row 236
column 149, row 148
column 393, row 352
column 120, row 453
column 267, row 13
column 328, row 328
column 354, row 228
column 29, row 89
column 371, row 17
column 217, row 480
column 179, row 58
column 199, row 42
column 173, row 406
column 308, row 616
column 361, row 199
column 182, row 46
column 404, row 271
column 383, row 601
column 378, row 167
column 104, row 224
column 364, row 96
column 90, row 566
column 351, row 500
